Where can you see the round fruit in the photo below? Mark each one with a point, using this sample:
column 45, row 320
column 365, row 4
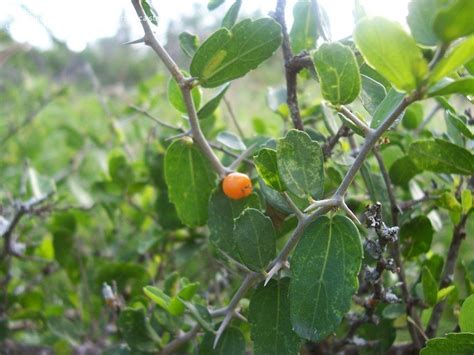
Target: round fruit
column 237, row 186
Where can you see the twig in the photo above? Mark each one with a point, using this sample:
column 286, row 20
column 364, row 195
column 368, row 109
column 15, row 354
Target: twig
column 328, row 147
column 350, row 116
column 459, row 233
column 233, row 117
column 185, row 86
column 427, row 119
column 243, row 156
column 290, row 73
column 174, row 345
column 298, row 213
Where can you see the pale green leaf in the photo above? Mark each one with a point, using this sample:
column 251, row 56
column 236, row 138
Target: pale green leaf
column 175, row 96
column 209, row 107
column 267, row 168
column 466, row 317
column 386, row 107
column 231, row 15
column 420, row 19
column 372, row 94
column 189, row 43
column 454, row 20
column 463, row 86
column 304, row 32
column 391, row 51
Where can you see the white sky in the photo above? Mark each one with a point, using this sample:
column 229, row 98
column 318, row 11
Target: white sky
column 81, row 21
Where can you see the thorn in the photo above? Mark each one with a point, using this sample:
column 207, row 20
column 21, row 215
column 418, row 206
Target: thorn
column 241, row 317
column 272, row 272
column 136, row 41
column 349, row 212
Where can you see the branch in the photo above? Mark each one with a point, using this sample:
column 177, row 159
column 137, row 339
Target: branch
column 185, row 86
column 459, row 233
column 233, row 117
column 174, row 345
column 328, row 147
column 396, row 254
column 290, row 73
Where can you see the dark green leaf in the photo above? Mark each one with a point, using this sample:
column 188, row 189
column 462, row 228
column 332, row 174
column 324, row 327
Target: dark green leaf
column 454, row 20
column 304, row 32
column 440, row 156
column 150, row 12
column 255, row 239
column 300, row 163
column 372, row 94
column 269, row 317
column 416, row 236
column 63, row 228
column 267, row 168
column 459, row 55
column 212, row 105
column 190, row 192
column 463, row 86
column 386, row 107
column 228, row 55
column 120, row 171
column 189, row 43
column 430, row 287
column 231, row 16
column 231, row 342
column 176, row 99
column 391, row 51
column 338, row 73
column 136, row 330
column 324, row 267
column 383, row 333
column 402, row 171
column 453, row 343
column 222, row 212
column 421, row 15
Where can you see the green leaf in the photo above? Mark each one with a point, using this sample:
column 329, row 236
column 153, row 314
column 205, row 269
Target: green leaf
column 214, row 4
column 420, row 19
column 222, row 212
column 459, row 124
column 150, row 12
column 300, row 163
column 39, row 186
column 324, row 267
column 377, row 191
column 157, row 296
column 231, row 15
column 416, row 236
column 463, row 86
column 383, row 333
column 459, row 55
column 120, row 170
column 267, row 168
column 430, row 287
column 391, row 51
column 440, row 156
column 304, row 32
column 372, row 94
column 232, row 342
column 269, row 317
column 190, row 192
column 231, row 140
column 466, row 317
column 453, row 343
column 175, row 97
column 445, row 292
column 63, row 228
column 255, row 239
column 136, row 330
column 413, row 116
column 212, row 105
column 188, row 291
column 466, row 201
column 228, row 55
column 189, row 43
column 455, row 20
column 338, row 73
column 387, row 106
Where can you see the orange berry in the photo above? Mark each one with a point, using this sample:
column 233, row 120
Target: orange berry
column 237, row 186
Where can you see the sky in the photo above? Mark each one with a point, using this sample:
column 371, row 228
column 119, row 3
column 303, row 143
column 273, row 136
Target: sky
column 79, row 22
